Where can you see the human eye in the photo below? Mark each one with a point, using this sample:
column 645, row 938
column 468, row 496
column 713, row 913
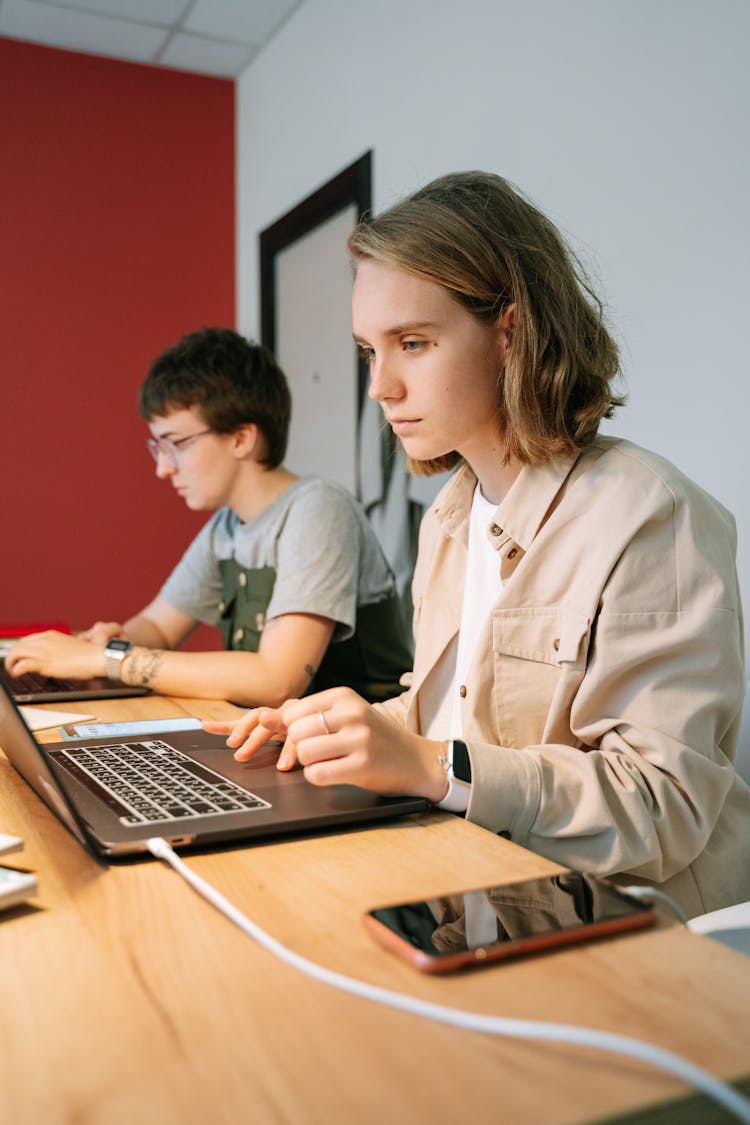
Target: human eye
column 365, row 353
column 412, row 346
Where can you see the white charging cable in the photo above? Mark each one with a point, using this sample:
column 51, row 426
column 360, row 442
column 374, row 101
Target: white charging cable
column 472, row 1021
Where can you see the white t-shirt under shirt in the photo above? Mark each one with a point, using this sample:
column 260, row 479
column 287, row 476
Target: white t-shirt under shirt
column 481, row 590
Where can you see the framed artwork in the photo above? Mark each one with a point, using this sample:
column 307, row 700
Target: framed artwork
column 305, row 288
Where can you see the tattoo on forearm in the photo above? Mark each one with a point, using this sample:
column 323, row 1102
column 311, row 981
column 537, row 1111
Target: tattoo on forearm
column 310, row 672
column 143, row 666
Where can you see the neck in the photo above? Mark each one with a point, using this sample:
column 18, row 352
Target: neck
column 258, row 488
column 495, row 476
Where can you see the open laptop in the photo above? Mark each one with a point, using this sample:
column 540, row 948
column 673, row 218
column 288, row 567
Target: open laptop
column 33, row 688
column 185, row 786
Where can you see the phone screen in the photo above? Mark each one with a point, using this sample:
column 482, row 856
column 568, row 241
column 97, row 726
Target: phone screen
column 128, row 729
column 512, row 919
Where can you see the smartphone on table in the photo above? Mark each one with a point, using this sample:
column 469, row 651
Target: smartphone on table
column 473, row 927
column 129, row 729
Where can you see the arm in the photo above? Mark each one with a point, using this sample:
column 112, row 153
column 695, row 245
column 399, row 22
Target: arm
column 159, row 625
column 82, row 656
column 291, row 648
column 290, row 651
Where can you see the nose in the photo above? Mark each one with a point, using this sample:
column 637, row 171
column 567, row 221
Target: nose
column 165, row 467
column 384, row 382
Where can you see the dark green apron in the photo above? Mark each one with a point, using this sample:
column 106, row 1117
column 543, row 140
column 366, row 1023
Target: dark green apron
column 370, row 662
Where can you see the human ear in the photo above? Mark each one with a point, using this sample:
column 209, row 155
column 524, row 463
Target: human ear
column 245, row 439
column 506, row 322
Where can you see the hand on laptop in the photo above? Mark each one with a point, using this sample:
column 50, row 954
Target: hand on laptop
column 341, row 739
column 55, row 654
column 249, row 735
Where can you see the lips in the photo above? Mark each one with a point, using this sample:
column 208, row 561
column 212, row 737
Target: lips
column 402, row 425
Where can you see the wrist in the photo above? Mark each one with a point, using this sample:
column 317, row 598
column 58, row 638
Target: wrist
column 436, row 784
column 99, row 666
column 125, row 667
column 456, row 763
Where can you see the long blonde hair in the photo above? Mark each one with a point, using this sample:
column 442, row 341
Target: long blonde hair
column 476, row 235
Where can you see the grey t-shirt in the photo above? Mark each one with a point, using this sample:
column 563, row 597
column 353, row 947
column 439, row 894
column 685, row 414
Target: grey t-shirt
column 317, row 539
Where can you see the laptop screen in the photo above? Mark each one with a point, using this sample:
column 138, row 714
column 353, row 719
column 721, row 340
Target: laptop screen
column 23, row 753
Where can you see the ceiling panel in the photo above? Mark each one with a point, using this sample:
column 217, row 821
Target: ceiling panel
column 218, row 37
column 206, row 56
column 80, row 31
column 249, row 21
column 144, row 11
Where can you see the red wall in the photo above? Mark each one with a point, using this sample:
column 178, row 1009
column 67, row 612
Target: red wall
column 117, row 235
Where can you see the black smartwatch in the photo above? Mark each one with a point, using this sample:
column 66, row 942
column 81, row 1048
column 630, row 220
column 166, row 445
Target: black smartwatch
column 460, row 760
column 458, row 772
column 115, row 651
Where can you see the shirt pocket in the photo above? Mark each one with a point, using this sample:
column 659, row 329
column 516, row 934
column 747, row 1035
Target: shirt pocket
column 539, row 660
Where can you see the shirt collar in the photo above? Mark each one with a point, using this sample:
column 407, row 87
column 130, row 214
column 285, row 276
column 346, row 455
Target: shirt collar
column 521, row 513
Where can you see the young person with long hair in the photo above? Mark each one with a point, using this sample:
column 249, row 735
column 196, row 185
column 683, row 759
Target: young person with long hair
column 578, row 673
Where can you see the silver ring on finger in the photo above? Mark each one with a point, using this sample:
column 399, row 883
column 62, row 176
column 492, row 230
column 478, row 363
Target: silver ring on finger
column 323, row 722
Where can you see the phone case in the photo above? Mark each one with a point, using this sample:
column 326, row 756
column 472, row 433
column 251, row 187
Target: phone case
column 643, row 915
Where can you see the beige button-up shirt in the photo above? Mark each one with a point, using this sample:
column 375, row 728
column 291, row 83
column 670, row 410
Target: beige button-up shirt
column 602, row 705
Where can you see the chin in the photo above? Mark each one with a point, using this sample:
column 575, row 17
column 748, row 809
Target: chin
column 194, row 504
column 422, row 450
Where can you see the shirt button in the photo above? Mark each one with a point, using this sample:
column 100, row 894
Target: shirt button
column 462, row 691
column 495, row 530
column 556, row 644
column 238, row 635
column 243, row 578
column 512, row 553
column 222, row 606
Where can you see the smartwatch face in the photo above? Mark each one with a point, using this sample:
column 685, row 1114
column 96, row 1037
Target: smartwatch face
column 461, row 763
column 117, row 644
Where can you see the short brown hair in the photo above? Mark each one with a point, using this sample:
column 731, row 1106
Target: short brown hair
column 232, row 380
column 482, row 240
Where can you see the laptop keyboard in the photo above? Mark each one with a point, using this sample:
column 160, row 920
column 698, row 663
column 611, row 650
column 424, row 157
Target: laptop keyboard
column 149, row 782
column 31, row 683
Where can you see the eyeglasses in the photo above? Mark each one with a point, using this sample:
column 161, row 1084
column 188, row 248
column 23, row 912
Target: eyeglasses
column 172, row 449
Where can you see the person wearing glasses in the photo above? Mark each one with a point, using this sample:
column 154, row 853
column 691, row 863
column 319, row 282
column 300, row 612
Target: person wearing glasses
column 288, row 567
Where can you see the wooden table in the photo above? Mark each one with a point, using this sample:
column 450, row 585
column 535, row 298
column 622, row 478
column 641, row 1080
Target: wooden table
column 125, row 999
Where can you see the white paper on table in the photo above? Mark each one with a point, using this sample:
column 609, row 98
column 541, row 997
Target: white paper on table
column 38, row 718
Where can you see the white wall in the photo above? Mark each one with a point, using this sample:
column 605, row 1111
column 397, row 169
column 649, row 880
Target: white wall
column 625, row 120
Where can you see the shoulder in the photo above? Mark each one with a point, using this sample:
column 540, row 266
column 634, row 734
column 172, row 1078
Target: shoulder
column 635, row 474
column 313, row 498
column 313, row 488
column 636, row 497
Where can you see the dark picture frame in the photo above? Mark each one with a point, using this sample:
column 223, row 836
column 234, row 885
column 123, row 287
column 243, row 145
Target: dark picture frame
column 350, row 187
